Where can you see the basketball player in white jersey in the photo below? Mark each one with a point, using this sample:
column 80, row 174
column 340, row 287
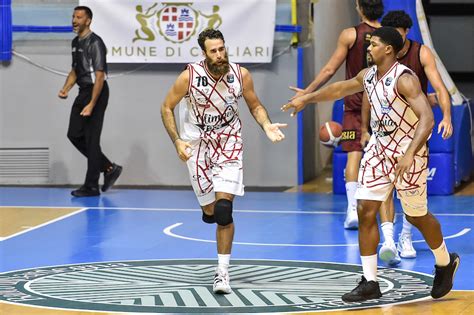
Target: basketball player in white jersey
column 210, row 139
column 396, row 156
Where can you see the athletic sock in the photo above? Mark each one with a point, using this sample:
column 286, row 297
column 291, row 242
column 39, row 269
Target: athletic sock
column 406, row 226
column 441, row 255
column 369, row 266
column 223, row 261
column 387, row 231
column 351, row 188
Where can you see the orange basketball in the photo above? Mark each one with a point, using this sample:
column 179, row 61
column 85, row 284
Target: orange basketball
column 330, row 133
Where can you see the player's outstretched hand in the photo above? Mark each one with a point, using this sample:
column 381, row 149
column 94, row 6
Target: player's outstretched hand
column 447, row 128
column 298, row 92
column 298, row 104
column 274, row 133
column 184, row 149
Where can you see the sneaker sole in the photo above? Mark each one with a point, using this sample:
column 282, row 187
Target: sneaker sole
column 222, row 291
column 407, row 256
column 371, row 297
column 354, row 225
column 386, row 255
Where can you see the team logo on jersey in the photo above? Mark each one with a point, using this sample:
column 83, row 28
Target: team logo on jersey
column 176, row 22
column 230, row 78
column 229, row 99
column 185, row 286
column 385, row 106
column 388, row 81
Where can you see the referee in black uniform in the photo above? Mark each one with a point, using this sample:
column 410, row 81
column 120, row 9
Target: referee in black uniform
column 89, row 71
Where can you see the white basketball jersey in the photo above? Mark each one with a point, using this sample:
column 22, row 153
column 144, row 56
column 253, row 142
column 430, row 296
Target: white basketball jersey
column 211, row 105
column 392, row 120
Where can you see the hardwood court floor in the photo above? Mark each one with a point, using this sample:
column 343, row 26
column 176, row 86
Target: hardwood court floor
column 455, row 303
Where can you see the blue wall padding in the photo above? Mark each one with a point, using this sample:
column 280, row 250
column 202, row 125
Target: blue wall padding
column 339, row 160
column 409, row 6
column 436, row 143
column 441, row 174
column 5, row 30
column 463, row 156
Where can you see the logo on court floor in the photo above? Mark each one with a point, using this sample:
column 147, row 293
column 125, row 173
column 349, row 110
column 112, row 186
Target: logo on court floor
column 175, row 286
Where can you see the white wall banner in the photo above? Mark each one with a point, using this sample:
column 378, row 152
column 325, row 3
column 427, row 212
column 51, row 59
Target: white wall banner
column 150, row 31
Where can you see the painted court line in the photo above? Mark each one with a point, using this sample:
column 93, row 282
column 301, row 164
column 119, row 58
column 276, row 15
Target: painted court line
column 44, row 224
column 168, row 231
column 235, row 210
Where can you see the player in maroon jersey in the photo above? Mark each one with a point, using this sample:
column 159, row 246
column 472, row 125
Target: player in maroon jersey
column 351, row 48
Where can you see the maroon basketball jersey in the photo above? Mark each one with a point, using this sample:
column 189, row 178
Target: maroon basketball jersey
column 412, row 60
column 356, row 61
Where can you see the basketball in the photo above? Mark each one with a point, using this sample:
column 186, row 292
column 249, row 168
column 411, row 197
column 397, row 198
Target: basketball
column 330, row 134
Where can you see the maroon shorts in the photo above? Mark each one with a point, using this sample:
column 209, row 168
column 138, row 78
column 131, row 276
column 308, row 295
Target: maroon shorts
column 350, row 138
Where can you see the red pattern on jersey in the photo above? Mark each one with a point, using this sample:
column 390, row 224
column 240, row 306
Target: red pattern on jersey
column 217, row 145
column 383, row 156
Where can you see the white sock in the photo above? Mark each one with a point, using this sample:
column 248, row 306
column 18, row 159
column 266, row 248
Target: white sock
column 406, row 226
column 351, row 188
column 441, row 255
column 387, row 230
column 369, row 266
column 223, row 261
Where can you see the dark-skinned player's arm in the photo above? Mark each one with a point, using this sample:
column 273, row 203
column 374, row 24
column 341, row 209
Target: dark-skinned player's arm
column 409, row 87
column 330, row 92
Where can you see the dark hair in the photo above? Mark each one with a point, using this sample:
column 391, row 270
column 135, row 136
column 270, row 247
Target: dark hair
column 209, row 33
column 398, row 18
column 85, row 9
column 389, row 36
column 372, row 9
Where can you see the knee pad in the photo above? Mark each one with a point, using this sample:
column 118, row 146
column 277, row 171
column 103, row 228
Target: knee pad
column 209, row 219
column 223, row 212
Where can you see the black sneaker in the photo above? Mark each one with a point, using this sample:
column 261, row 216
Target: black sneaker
column 85, row 191
column 111, row 176
column 366, row 290
column 444, row 276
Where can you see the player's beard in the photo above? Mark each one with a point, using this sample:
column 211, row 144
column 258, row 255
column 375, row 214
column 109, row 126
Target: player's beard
column 219, row 68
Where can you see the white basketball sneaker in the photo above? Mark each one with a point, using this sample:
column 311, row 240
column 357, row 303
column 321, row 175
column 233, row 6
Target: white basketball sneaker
column 221, row 282
column 389, row 254
column 405, row 246
column 352, row 220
